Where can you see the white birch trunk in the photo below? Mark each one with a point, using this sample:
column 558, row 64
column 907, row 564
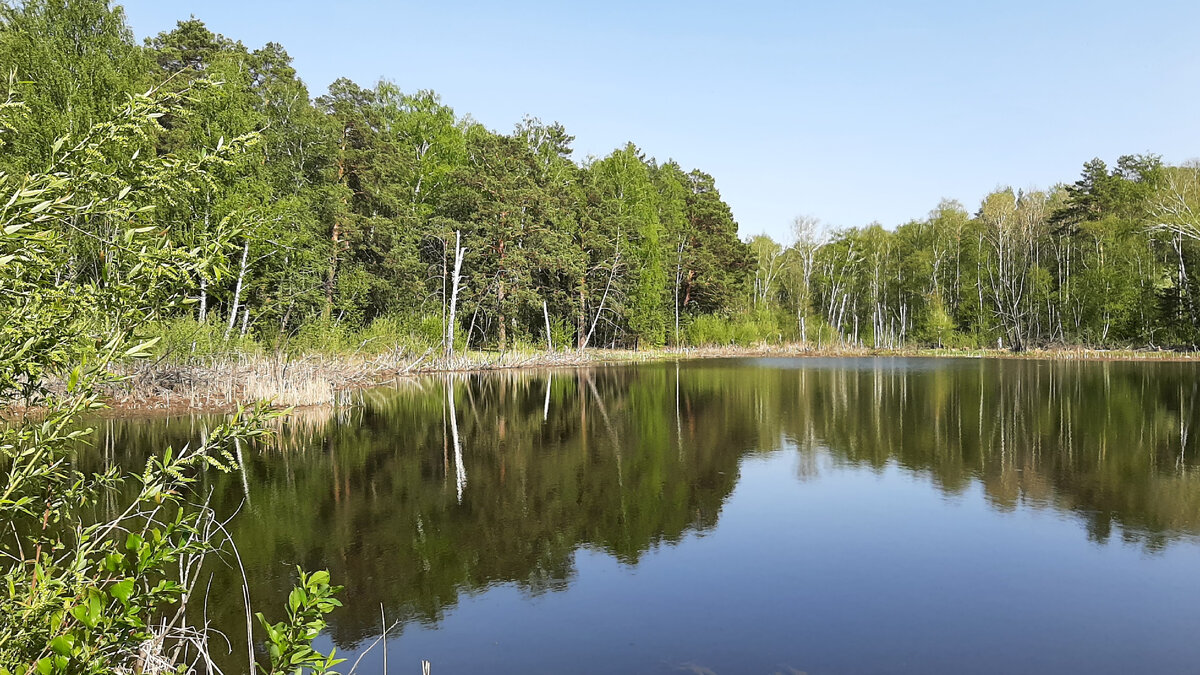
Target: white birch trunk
column 203, row 299
column 237, row 291
column 459, row 252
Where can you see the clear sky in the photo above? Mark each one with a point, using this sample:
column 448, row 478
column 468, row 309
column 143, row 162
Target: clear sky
column 851, row 111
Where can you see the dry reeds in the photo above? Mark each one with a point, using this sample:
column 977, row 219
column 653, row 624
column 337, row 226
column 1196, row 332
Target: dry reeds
column 309, row 380
column 316, row 380
column 220, row 382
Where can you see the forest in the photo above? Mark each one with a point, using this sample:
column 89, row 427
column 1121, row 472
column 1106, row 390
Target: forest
column 369, row 210
column 185, row 196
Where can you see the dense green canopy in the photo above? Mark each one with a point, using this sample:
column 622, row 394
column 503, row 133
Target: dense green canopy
column 355, row 195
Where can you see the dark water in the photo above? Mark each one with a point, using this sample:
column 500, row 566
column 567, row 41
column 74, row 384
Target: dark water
column 740, row 516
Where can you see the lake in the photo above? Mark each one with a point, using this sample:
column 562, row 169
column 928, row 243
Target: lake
column 865, row 515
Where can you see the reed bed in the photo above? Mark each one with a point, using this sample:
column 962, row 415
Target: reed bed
column 221, row 382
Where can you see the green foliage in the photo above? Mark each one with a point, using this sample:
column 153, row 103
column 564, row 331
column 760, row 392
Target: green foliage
column 413, row 334
column 746, row 329
column 289, row 643
column 346, row 208
column 94, row 583
column 347, row 205
column 562, row 333
column 183, row 337
column 66, row 95
column 406, row 333
column 1082, row 265
column 627, row 201
column 322, row 336
column 938, row 330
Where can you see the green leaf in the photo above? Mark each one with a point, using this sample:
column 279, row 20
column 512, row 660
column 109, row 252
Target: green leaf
column 62, row 645
column 296, row 598
column 122, row 590
column 140, row 350
column 83, row 615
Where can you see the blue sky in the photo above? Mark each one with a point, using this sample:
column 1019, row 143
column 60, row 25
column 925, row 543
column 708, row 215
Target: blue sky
column 849, row 111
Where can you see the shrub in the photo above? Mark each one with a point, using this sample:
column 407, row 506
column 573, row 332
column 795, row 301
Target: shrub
column 321, row 336
column 86, row 591
column 742, row 330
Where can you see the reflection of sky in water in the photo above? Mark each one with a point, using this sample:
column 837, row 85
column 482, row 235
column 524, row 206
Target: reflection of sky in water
column 848, row 571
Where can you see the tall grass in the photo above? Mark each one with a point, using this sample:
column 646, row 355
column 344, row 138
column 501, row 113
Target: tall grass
column 185, row 338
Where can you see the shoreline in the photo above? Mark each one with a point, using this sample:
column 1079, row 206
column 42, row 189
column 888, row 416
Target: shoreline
column 220, row 384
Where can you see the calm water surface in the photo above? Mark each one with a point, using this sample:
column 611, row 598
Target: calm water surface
column 739, row 516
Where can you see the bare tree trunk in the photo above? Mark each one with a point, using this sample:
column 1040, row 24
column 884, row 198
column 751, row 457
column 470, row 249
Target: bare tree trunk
column 549, row 338
column 237, row 291
column 979, row 278
column 445, row 277
column 335, row 239
column 283, row 320
column 203, row 299
column 459, row 252
column 842, row 315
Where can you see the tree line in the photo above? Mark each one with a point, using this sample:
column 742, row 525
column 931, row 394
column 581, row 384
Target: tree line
column 372, row 205
column 352, row 205
column 1110, row 260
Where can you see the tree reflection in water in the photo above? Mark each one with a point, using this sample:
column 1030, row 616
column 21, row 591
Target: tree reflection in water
column 447, row 485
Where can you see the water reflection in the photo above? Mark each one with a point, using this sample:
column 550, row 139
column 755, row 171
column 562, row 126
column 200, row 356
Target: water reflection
column 445, row 486
column 1108, row 441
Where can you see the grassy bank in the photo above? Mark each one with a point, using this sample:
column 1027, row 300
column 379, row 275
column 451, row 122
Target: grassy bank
column 314, row 379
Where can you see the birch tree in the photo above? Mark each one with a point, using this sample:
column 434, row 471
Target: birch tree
column 809, row 237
